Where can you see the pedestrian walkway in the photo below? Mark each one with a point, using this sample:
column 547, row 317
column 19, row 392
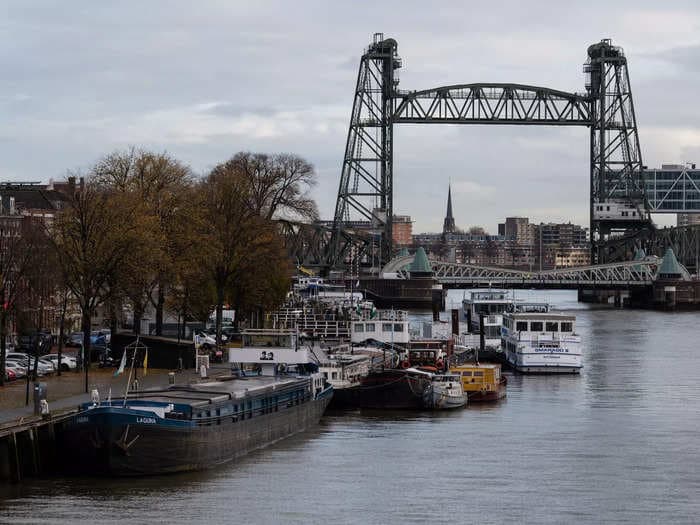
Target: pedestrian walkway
column 67, row 391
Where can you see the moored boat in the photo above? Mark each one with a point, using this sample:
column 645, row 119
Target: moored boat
column 204, row 424
column 541, row 343
column 481, row 381
column 445, row 392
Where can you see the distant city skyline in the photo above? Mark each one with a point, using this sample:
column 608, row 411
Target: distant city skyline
column 203, row 81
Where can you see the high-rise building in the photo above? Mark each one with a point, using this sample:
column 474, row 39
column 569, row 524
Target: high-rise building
column 449, row 224
column 518, row 229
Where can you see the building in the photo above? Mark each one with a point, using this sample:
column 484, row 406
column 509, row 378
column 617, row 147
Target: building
column 688, row 219
column 402, row 230
column 449, row 223
column 518, row 229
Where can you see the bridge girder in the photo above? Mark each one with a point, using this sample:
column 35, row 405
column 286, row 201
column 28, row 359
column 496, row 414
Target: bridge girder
column 492, row 103
column 621, row 274
column 308, row 244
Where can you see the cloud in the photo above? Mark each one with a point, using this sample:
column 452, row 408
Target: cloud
column 208, row 79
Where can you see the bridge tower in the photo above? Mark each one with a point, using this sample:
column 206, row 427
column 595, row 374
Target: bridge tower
column 618, row 203
column 366, row 182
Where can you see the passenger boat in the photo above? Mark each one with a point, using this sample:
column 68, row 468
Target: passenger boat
column 194, row 427
column 492, row 304
column 481, row 381
column 445, row 392
column 541, row 343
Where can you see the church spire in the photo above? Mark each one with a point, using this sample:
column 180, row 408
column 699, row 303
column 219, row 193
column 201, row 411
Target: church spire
column 449, row 224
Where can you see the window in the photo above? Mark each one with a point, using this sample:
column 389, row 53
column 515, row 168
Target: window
column 552, row 327
column 467, row 374
column 359, row 327
column 398, row 327
column 536, row 326
column 386, row 327
column 334, row 375
column 478, row 373
column 369, row 327
column 567, row 327
column 521, row 326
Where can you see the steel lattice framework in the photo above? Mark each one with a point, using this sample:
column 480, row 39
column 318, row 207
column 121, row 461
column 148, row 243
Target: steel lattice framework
column 308, row 244
column 615, row 275
column 491, row 104
column 366, row 182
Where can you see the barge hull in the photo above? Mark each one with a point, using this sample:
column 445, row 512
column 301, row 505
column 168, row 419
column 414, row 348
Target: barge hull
column 391, row 389
column 103, row 447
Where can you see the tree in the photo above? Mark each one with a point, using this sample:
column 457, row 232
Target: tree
column 279, row 184
column 18, row 237
column 162, row 186
column 92, row 237
column 241, row 248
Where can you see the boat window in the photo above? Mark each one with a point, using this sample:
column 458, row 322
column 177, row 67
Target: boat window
column 370, row 327
column 521, row 326
column 334, row 375
column 386, row 327
column 467, row 374
column 359, row 327
column 566, row 327
column 536, row 326
column 552, row 327
column 398, row 327
column 478, row 373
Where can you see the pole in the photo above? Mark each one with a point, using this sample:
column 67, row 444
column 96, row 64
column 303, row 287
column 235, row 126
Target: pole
column 86, row 364
column 540, row 246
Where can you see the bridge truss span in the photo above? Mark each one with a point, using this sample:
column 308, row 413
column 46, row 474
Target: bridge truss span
column 624, row 274
column 493, row 103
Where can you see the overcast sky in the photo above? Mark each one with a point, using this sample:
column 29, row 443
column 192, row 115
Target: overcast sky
column 203, row 80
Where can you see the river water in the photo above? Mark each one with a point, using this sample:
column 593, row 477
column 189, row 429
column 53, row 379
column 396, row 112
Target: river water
column 620, row 443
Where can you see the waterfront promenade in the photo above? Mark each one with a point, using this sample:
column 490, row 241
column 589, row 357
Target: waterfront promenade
column 67, row 391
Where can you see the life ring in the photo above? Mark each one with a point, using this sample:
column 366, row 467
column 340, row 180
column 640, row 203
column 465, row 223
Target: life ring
column 405, row 364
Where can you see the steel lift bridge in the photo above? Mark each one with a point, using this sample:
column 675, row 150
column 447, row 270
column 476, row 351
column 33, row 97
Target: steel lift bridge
column 618, row 204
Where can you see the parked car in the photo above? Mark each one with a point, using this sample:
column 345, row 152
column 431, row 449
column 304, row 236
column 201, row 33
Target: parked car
column 22, row 360
column 10, row 374
column 75, row 339
column 67, row 362
column 16, row 369
column 106, row 333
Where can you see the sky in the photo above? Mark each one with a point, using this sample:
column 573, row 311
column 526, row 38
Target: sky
column 203, row 80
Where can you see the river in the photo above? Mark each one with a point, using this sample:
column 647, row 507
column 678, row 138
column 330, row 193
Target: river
column 618, row 444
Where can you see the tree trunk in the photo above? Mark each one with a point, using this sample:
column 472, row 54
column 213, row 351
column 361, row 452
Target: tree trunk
column 160, row 306
column 113, row 316
column 61, row 330
column 138, row 313
column 219, row 312
column 85, row 327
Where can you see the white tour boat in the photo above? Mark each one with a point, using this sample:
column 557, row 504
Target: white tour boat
column 541, row 342
column 492, row 304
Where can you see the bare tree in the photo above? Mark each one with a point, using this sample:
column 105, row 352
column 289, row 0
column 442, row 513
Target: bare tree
column 17, row 242
column 279, row 184
column 92, row 237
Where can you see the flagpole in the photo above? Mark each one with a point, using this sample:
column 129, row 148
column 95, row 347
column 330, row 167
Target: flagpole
column 133, row 359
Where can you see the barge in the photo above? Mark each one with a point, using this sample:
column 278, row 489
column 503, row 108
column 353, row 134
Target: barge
column 202, row 425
